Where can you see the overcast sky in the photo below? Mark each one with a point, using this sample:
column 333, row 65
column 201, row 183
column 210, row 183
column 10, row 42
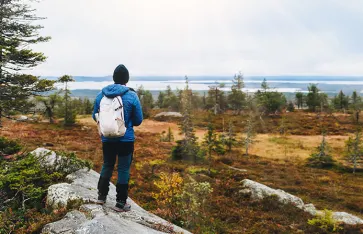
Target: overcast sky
column 202, row 37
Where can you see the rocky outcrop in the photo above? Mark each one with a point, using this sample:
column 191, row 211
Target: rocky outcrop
column 259, row 191
column 92, row 218
column 22, row 118
column 168, row 115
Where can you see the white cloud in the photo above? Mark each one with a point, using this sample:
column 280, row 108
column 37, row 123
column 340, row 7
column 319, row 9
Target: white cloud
column 202, row 37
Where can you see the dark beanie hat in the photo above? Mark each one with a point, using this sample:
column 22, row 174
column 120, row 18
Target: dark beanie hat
column 121, row 75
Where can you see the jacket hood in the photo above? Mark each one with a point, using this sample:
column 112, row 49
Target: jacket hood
column 114, row 90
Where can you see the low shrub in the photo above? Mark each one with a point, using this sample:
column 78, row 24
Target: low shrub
column 325, row 222
column 24, row 183
column 187, row 151
column 8, row 147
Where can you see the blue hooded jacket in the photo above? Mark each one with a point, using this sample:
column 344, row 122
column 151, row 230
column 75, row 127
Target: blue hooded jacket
column 132, row 110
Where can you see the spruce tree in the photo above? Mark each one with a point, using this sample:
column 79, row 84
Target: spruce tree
column 264, row 85
column 160, row 101
column 210, row 142
column 216, row 98
column 230, row 139
column 237, row 99
column 321, row 158
column 356, row 106
column 146, row 100
column 187, row 148
column 299, row 98
column 69, row 113
column 354, row 152
column 170, row 100
column 50, row 104
column 341, row 101
column 17, row 33
column 315, row 99
column 269, row 101
column 88, row 106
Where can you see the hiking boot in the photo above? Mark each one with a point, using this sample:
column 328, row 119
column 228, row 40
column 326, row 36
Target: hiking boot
column 122, row 206
column 101, row 199
column 103, row 187
column 122, row 192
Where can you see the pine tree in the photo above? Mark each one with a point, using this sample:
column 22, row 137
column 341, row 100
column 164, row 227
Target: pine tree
column 160, row 101
column 269, row 101
column 88, row 106
column 356, row 106
column 341, row 101
column 237, row 98
column 69, row 113
column 314, row 98
column 299, row 97
column 216, row 98
column 50, row 104
column 321, row 158
column 264, row 85
column 187, row 127
column 170, row 100
column 354, row 150
column 230, row 140
column 17, row 33
column 146, row 100
column 188, row 147
column 210, row 142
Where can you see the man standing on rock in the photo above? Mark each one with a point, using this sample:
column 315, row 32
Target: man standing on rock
column 122, row 147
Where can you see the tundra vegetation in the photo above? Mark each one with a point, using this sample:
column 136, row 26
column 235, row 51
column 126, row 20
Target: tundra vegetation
column 191, row 174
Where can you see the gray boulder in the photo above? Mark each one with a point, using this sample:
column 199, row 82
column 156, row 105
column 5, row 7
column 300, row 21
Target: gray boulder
column 99, row 219
column 259, row 191
column 169, row 114
column 347, row 218
column 22, row 118
column 46, row 156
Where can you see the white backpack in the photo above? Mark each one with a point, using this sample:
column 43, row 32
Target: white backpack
column 111, row 121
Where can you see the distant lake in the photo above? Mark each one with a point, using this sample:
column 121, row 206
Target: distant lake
column 285, row 84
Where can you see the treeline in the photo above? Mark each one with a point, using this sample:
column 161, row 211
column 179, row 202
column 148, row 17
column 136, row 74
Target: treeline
column 265, row 101
column 315, row 100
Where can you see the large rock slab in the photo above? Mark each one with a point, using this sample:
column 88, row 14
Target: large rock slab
column 169, row 114
column 347, row 218
column 101, row 219
column 259, row 191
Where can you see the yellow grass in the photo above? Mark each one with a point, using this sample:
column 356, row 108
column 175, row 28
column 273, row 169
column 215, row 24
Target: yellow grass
column 266, row 145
